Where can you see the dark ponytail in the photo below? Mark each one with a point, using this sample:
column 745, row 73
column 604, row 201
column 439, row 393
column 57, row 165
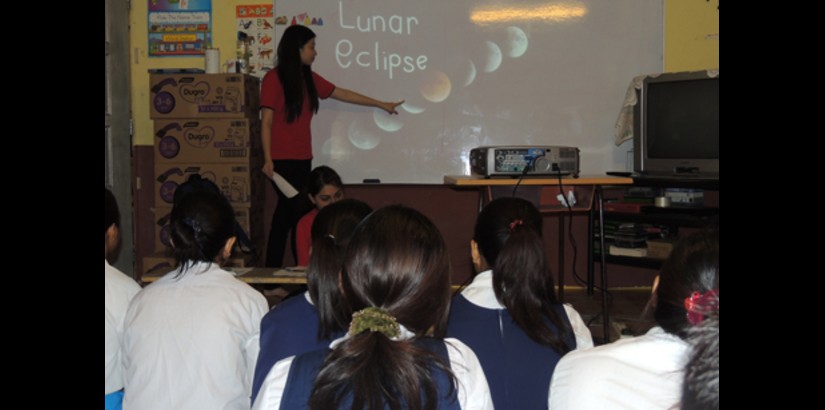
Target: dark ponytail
column 201, row 223
column 508, row 233
column 331, row 231
column 396, row 261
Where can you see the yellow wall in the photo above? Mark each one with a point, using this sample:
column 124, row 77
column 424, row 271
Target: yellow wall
column 224, row 37
column 691, row 35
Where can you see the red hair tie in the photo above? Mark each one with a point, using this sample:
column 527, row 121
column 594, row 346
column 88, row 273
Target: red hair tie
column 698, row 305
column 515, row 223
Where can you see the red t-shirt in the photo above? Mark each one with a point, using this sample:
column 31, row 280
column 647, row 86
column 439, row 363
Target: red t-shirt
column 291, row 140
column 303, row 237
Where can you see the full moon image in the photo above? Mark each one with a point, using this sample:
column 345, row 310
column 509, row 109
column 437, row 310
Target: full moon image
column 435, row 86
column 493, row 57
column 361, row 137
column 516, row 42
column 471, row 73
column 386, row 122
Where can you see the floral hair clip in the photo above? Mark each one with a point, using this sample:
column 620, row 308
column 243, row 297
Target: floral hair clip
column 698, row 305
column 374, row 319
column 515, row 223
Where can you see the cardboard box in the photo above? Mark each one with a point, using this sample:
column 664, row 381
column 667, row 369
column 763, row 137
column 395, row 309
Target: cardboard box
column 203, row 96
column 208, row 140
column 165, row 261
column 250, row 219
column 240, row 183
column 659, row 248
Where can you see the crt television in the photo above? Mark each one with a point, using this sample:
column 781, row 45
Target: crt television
column 676, row 126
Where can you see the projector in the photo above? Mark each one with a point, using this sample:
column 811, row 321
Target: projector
column 517, row 160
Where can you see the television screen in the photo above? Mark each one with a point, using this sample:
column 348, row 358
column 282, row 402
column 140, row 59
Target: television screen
column 678, row 132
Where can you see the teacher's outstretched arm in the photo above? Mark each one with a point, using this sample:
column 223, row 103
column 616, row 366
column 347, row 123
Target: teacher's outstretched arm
column 352, row 97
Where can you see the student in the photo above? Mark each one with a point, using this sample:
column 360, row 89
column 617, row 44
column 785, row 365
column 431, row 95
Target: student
column 120, row 289
column 312, row 320
column 701, row 386
column 289, row 99
column 647, row 372
column 396, row 277
column 509, row 314
column 325, row 187
column 192, row 336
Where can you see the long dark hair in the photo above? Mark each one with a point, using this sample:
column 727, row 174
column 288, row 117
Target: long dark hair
column 331, row 231
column 508, row 234
column 396, row 260
column 293, row 73
column 322, row 176
column 201, row 223
column 693, row 266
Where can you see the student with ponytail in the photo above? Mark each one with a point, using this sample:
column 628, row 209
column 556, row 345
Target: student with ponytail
column 648, row 371
column 396, row 277
column 191, row 337
column 312, row 320
column 509, row 314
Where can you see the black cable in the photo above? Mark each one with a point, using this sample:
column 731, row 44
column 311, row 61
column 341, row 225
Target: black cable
column 523, row 174
column 572, row 239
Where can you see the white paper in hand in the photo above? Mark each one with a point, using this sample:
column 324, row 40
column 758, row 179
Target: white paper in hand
column 283, row 185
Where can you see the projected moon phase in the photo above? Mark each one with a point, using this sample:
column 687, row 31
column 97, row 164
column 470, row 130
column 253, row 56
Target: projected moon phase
column 412, row 109
column 386, row 122
column 471, row 73
column 493, row 57
column 516, row 42
column 435, row 86
column 361, row 137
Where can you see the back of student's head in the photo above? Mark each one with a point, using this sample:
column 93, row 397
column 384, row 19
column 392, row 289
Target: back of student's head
column 690, row 272
column 396, row 261
column 112, row 211
column 322, row 176
column 201, row 223
column 331, row 232
column 508, row 234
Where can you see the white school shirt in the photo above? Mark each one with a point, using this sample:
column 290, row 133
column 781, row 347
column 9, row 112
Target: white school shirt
column 644, row 372
column 473, row 391
column 191, row 342
column 120, row 289
column 480, row 293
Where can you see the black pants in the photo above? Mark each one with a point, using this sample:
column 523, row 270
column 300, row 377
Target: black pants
column 288, row 211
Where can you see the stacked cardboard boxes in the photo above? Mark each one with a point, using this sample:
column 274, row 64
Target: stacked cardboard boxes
column 207, row 124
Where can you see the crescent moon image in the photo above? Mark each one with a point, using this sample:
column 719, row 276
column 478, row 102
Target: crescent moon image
column 516, row 42
column 493, row 57
column 435, row 86
column 412, row 109
column 386, row 122
column 471, row 73
column 360, row 137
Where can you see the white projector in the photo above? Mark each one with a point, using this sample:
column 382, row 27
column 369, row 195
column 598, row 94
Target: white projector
column 517, row 160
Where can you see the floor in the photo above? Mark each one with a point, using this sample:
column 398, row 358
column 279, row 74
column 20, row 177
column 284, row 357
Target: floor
column 626, row 310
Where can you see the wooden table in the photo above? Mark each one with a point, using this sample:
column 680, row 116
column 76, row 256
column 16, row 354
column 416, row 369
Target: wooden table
column 249, row 275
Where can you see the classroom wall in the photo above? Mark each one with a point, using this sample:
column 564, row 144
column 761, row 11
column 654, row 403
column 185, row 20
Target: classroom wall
column 691, row 43
column 224, row 37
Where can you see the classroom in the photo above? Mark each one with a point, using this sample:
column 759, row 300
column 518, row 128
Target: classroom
column 408, row 99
